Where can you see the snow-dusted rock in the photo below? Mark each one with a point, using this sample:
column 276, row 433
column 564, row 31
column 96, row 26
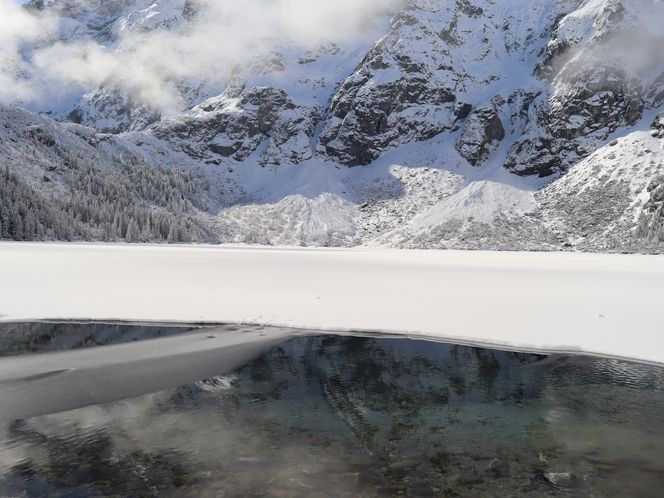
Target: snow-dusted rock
column 414, row 84
column 658, row 126
column 238, row 122
column 35, row 5
column 588, row 105
column 482, row 132
column 108, row 20
column 113, row 110
column 601, row 203
column 599, row 63
column 651, row 219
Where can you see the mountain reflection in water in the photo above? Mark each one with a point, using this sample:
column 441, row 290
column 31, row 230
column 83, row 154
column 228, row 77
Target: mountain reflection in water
column 361, row 416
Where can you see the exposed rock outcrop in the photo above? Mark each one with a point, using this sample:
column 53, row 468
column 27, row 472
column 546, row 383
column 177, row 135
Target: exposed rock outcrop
column 589, row 104
column 235, row 124
column 430, row 70
column 598, row 86
column 112, row 110
column 481, row 134
column 658, row 126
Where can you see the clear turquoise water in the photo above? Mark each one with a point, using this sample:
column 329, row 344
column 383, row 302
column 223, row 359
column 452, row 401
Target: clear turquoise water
column 351, row 416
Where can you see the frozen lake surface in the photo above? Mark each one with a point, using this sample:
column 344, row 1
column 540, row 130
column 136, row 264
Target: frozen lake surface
column 607, row 304
column 326, row 415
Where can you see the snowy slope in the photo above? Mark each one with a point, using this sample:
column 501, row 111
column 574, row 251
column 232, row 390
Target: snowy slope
column 63, row 181
column 615, row 189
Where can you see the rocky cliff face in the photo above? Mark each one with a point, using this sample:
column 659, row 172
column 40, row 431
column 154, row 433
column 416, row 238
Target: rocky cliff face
column 438, row 63
column 551, row 76
column 600, row 66
column 463, row 123
column 482, row 132
column 240, row 121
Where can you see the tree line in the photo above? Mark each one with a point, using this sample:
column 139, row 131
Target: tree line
column 127, row 201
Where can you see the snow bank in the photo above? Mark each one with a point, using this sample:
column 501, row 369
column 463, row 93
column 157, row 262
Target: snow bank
column 601, row 304
column 32, row 385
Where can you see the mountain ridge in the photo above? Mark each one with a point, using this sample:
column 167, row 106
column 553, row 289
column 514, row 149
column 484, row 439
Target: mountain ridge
column 468, row 124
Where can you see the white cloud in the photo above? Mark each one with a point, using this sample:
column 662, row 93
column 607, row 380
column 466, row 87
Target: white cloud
column 227, row 31
column 16, row 29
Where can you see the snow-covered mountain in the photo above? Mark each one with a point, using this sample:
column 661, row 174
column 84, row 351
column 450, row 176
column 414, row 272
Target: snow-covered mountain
column 519, row 124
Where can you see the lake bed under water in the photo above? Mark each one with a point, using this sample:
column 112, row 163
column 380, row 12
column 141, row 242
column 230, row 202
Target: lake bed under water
column 341, row 415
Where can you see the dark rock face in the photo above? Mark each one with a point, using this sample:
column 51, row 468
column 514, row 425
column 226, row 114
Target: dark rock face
column 481, row 134
column 417, row 83
column 590, row 106
column 237, row 123
column 651, row 222
column 367, row 116
column 538, row 157
column 658, row 126
column 396, row 96
column 594, row 102
column 593, row 91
